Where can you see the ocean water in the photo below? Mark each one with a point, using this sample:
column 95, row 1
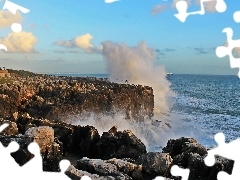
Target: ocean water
column 206, row 105
column 203, row 106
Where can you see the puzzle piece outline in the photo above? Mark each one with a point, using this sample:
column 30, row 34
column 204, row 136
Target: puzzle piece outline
column 182, row 7
column 33, row 168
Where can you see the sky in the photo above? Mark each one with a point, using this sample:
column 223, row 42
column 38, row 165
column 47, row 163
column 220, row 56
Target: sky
column 66, row 36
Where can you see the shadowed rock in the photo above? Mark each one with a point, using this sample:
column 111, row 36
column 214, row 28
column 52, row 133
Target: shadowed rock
column 119, row 145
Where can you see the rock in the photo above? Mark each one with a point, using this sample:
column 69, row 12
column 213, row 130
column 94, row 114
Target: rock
column 50, row 150
column 119, row 145
column 156, row 164
column 131, row 169
column 181, row 148
column 76, row 174
column 101, row 168
column 57, row 98
column 12, row 129
column 188, row 153
column 43, row 135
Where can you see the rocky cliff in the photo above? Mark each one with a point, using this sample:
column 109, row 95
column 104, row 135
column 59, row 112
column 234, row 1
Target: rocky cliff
column 52, row 97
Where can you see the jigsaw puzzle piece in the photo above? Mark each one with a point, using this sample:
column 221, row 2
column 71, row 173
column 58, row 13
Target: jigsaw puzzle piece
column 236, row 16
column 5, row 125
column 4, row 48
column 221, row 6
column 182, row 7
column 228, row 150
column 35, row 162
column 177, row 171
column 222, row 51
column 12, row 7
column 85, row 178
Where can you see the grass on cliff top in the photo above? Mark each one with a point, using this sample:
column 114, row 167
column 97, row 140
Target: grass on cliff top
column 4, row 80
column 21, row 73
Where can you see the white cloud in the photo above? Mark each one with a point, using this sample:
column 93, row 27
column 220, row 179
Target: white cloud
column 83, row 42
column 19, row 42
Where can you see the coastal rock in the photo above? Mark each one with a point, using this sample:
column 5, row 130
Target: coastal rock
column 50, row 150
column 181, row 148
column 131, row 169
column 43, row 135
column 155, row 164
column 58, row 98
column 188, row 153
column 101, row 168
column 76, row 174
column 119, row 145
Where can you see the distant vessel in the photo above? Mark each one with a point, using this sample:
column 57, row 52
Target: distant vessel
column 169, row 73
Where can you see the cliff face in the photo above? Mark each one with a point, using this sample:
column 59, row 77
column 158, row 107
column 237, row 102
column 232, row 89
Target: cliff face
column 58, row 97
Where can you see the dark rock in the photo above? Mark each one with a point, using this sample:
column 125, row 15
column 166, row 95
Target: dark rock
column 131, row 169
column 188, row 153
column 101, row 168
column 155, row 164
column 120, row 145
column 181, row 148
column 76, row 174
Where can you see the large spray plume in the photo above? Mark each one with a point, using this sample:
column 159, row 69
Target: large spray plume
column 135, row 64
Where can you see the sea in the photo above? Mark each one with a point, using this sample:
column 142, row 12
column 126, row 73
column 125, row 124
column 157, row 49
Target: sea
column 204, row 105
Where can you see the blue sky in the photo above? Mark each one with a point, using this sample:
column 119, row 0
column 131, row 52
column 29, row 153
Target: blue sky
column 51, row 29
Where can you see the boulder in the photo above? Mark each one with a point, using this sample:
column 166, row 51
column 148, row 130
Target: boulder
column 119, row 145
column 156, row 164
column 76, row 174
column 131, row 169
column 101, row 168
column 181, row 148
column 50, row 150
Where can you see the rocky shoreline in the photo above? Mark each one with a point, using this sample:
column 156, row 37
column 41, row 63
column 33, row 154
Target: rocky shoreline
column 35, row 108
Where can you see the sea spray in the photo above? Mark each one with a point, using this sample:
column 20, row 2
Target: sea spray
column 134, row 65
column 153, row 133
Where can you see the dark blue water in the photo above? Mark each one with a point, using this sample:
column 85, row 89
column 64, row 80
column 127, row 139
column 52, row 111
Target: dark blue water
column 208, row 104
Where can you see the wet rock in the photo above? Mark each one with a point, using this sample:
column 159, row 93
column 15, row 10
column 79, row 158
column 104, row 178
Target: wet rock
column 188, row 153
column 181, row 148
column 156, row 164
column 119, row 145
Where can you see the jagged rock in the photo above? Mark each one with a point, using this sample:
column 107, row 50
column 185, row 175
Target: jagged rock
column 181, row 148
column 131, row 169
column 120, row 145
column 188, row 153
column 43, row 135
column 12, row 129
column 101, row 168
column 156, row 164
column 56, row 98
column 50, row 150
column 76, row 174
